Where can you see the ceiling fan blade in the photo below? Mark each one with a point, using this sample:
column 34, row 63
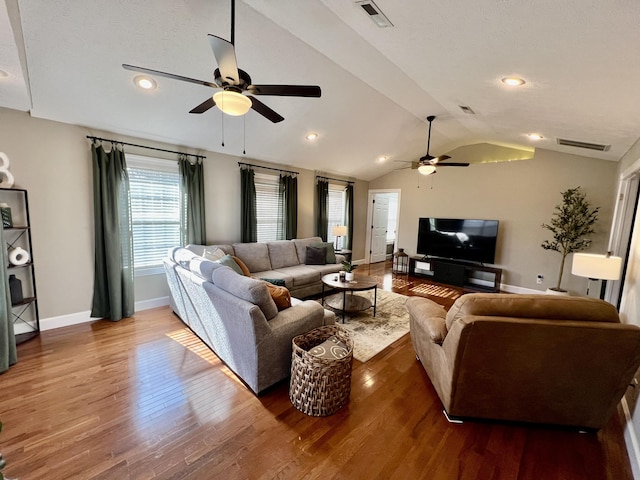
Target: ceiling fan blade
column 286, row 90
column 168, row 75
column 453, row 164
column 225, row 54
column 204, row 106
column 265, row 111
column 441, row 158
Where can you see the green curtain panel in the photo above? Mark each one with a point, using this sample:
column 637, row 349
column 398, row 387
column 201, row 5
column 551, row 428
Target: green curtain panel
column 248, row 215
column 192, row 220
column 289, row 194
column 8, row 354
column 322, row 207
column 113, row 292
column 348, row 210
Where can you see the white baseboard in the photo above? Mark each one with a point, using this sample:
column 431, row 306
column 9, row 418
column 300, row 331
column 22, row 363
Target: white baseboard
column 84, row 317
column 513, row 289
column 631, row 440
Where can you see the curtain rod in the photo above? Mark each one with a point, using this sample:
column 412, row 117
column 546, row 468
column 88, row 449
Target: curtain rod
column 335, row 179
column 144, row 146
column 268, row 168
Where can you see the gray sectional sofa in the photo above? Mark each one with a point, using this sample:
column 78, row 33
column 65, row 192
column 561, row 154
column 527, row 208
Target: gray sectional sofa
column 283, row 260
column 236, row 316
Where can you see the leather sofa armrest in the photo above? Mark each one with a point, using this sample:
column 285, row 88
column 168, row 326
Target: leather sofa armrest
column 430, row 315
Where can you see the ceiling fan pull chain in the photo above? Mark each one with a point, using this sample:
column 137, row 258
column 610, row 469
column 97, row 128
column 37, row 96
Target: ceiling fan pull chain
column 244, row 134
column 222, row 116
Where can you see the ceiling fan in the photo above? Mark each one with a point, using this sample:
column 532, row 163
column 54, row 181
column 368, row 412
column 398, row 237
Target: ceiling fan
column 426, row 165
column 234, row 81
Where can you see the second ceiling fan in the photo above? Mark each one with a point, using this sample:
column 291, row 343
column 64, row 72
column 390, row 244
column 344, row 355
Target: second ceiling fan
column 427, row 164
column 234, row 82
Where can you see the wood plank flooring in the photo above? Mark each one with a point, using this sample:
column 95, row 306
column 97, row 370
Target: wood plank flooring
column 144, row 399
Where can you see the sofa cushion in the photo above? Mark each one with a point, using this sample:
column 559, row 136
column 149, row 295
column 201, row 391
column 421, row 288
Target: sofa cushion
column 302, row 244
column 280, row 295
column 316, row 256
column 246, row 288
column 548, row 307
column 285, row 275
column 300, row 275
column 254, row 255
column 228, row 261
column 331, row 253
column 203, row 268
column 282, row 254
column 213, row 253
column 242, row 265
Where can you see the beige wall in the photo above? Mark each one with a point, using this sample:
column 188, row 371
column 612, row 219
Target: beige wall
column 52, row 161
column 521, row 195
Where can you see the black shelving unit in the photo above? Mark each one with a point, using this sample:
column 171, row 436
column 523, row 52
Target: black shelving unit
column 26, row 317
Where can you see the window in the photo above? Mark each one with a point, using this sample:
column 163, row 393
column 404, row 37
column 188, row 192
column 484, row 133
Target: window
column 269, row 208
column 155, row 211
column 336, row 213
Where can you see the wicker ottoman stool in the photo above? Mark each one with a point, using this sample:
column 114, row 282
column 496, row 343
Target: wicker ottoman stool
column 320, row 386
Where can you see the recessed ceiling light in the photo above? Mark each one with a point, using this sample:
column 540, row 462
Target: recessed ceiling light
column 513, row 81
column 3, row 74
column 383, row 158
column 535, row 136
column 144, row 82
column 311, row 136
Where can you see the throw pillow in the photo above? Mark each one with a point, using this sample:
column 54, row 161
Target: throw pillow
column 228, row 261
column 331, row 253
column 278, row 282
column 243, row 267
column 331, row 348
column 213, row 253
column 280, row 295
column 316, row 256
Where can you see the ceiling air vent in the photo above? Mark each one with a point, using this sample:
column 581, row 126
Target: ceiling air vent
column 590, row 146
column 374, row 13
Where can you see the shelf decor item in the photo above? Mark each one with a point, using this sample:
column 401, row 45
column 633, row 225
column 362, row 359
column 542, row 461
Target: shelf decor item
column 15, row 289
column 571, row 224
column 5, row 211
column 6, row 179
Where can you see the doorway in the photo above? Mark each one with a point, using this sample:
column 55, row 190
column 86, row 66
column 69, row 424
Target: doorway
column 383, row 217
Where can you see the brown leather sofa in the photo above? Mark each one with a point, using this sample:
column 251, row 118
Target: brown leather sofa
column 526, row 358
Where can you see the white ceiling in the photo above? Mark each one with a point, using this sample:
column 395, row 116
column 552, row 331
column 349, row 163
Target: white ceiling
column 579, row 57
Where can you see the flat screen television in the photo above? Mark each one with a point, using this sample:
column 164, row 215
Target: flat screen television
column 459, row 239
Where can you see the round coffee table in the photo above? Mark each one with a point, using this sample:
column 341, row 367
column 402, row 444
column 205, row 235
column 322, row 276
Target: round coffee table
column 350, row 303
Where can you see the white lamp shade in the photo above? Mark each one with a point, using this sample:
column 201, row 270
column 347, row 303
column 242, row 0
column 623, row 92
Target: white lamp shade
column 232, row 103
column 426, row 169
column 600, row 267
column 339, row 231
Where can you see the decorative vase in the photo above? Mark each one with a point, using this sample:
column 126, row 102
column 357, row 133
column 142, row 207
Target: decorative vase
column 348, row 276
column 15, row 289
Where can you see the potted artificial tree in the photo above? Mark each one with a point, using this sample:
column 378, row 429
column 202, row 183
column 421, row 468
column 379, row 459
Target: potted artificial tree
column 571, row 224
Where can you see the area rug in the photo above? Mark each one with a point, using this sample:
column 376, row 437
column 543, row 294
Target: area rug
column 372, row 334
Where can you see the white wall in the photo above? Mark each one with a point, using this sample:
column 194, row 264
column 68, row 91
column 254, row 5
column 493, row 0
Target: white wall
column 521, row 195
column 52, row 161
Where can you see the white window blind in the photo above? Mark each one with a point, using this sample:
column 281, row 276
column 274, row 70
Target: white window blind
column 155, row 210
column 336, row 213
column 269, row 208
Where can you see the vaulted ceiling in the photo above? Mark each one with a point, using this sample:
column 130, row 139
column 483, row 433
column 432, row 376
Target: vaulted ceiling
column 579, row 59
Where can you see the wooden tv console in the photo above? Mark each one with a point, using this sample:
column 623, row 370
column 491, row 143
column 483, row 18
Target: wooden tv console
column 470, row 277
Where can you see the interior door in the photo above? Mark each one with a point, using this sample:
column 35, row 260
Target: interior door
column 379, row 223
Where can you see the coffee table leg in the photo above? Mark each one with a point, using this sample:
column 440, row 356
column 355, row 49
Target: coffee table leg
column 375, row 299
column 322, row 294
column 344, row 304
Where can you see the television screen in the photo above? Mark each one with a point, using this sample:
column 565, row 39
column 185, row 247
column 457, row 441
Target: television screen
column 458, row 239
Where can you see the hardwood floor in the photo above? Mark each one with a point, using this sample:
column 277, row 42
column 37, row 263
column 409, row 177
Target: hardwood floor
column 144, row 399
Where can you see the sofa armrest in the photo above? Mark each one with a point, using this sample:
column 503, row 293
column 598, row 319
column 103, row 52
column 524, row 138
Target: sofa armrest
column 297, row 319
column 340, row 258
column 430, row 315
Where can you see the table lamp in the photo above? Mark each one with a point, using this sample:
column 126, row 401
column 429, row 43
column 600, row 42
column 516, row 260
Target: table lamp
column 339, row 231
column 597, row 267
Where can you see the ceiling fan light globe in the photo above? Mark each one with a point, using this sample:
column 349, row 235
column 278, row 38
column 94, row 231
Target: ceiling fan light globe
column 426, row 169
column 232, row 103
